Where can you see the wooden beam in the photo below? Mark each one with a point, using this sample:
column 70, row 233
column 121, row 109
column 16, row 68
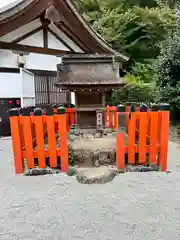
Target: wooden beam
column 43, row 73
column 19, row 39
column 32, row 49
column 60, row 39
column 9, row 70
column 45, row 37
column 45, row 22
column 25, row 15
column 77, row 26
column 71, row 35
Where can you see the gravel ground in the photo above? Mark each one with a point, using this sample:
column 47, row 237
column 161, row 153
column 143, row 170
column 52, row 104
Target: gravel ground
column 134, row 206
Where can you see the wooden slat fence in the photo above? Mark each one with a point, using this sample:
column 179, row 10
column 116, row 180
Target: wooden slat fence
column 147, row 144
column 41, row 139
column 110, row 115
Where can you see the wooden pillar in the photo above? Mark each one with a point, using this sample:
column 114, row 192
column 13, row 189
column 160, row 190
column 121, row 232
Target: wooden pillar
column 99, row 118
column 76, row 113
column 68, row 98
column 103, row 102
column 103, row 97
column 48, row 90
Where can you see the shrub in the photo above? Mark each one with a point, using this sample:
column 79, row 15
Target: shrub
column 167, row 72
column 178, row 130
column 134, row 91
column 143, row 71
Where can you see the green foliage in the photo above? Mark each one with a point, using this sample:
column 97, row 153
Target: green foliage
column 167, row 72
column 132, row 26
column 138, row 28
column 143, row 71
column 134, row 91
column 169, row 3
column 96, row 5
column 137, row 31
column 178, row 130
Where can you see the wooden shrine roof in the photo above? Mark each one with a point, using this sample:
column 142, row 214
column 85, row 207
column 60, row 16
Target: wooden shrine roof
column 67, row 18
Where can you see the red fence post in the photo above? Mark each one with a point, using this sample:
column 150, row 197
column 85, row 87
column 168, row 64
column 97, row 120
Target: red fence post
column 40, row 134
column 164, row 131
column 16, row 141
column 51, row 132
column 120, row 132
column 132, row 126
column 63, row 138
column 153, row 137
column 28, row 137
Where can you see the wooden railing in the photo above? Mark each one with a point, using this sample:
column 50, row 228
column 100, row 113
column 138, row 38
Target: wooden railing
column 143, row 138
column 110, row 115
column 70, row 117
column 41, row 138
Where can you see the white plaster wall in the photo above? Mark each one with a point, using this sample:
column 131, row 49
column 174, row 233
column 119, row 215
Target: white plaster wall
column 33, row 61
column 27, row 88
column 21, row 31
column 63, row 36
column 8, row 59
column 73, row 101
column 10, row 85
column 41, row 62
column 35, row 40
column 54, row 43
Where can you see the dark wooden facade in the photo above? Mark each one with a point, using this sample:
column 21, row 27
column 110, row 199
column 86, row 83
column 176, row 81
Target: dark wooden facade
column 46, row 91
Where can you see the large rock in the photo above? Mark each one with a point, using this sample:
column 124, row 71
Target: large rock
column 100, row 175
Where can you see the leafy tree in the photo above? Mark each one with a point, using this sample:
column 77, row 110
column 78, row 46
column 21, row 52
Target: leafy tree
column 95, row 5
column 134, row 91
column 135, row 27
column 138, row 27
column 143, row 71
column 167, row 72
column 137, row 31
column 169, row 3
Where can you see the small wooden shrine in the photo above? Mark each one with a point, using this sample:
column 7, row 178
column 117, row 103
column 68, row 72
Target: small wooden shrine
column 90, row 77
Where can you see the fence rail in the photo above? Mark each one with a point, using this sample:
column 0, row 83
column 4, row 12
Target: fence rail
column 110, row 115
column 145, row 140
column 41, row 138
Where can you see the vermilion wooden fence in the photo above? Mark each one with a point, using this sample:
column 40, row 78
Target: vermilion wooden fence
column 110, row 116
column 149, row 141
column 29, row 135
column 70, row 117
column 44, row 137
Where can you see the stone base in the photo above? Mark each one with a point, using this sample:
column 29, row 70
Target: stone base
column 91, row 151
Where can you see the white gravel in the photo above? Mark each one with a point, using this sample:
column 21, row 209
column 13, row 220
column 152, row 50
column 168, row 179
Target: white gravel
column 134, row 206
